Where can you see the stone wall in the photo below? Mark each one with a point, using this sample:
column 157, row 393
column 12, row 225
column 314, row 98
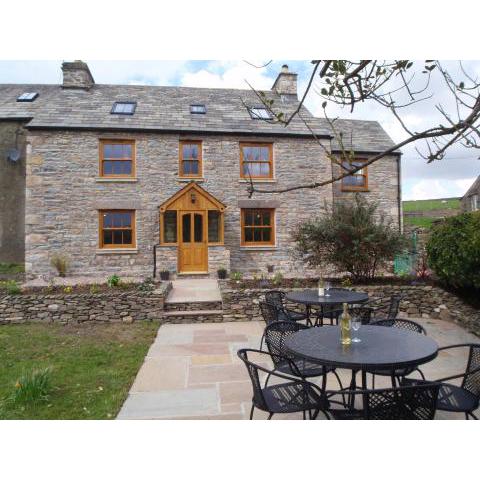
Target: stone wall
column 64, row 195
column 12, row 194
column 128, row 307
column 382, row 187
column 420, row 301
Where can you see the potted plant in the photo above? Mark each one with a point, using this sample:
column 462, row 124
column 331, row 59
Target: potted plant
column 164, row 274
column 222, row 273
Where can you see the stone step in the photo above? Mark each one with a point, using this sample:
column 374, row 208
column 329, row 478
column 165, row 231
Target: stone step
column 194, row 305
column 193, row 316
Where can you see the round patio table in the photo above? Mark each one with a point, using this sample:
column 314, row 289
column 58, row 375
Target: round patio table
column 336, row 296
column 381, row 348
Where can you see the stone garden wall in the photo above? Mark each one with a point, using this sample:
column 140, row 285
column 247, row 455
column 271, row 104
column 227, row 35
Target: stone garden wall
column 118, row 306
column 424, row 301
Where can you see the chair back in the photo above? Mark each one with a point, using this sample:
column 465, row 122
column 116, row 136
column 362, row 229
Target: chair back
column 275, row 335
column 394, row 306
column 275, row 297
column 364, row 313
column 252, row 368
column 412, row 402
column 270, row 313
column 403, row 324
column 471, row 381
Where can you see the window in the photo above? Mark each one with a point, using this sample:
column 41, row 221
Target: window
column 258, row 226
column 201, row 109
column 169, row 229
column 117, row 229
column 215, row 227
column 190, row 159
column 124, row 108
column 357, row 181
column 27, row 97
column 474, row 202
column 259, row 113
column 117, row 158
column 256, row 160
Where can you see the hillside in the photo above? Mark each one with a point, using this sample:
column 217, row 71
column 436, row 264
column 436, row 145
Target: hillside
column 422, row 213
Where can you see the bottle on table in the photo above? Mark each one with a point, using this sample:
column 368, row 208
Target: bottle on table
column 321, row 287
column 345, row 326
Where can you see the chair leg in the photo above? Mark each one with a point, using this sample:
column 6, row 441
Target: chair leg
column 340, row 383
column 270, row 416
column 373, row 381
column 261, row 341
column 251, row 412
column 421, row 373
column 304, row 415
column 471, row 414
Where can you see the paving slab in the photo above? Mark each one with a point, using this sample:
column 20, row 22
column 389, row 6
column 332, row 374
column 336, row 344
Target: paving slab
column 192, row 371
column 191, row 290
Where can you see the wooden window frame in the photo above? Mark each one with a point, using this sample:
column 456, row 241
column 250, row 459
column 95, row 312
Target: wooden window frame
column 114, row 141
column 355, row 188
column 109, row 246
column 270, row 162
column 272, row 242
column 200, row 158
column 173, row 244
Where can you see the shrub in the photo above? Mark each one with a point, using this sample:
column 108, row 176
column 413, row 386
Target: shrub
column 453, row 250
column 60, row 263
column 113, row 280
column 94, row 288
column 147, row 285
column 32, row 387
column 236, row 276
column 351, row 236
column 11, row 286
column 68, row 289
column 277, row 278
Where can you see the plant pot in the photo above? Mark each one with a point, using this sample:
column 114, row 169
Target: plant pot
column 164, row 275
column 222, row 274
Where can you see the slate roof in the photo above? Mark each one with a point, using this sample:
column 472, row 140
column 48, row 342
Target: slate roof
column 168, row 109
column 474, row 188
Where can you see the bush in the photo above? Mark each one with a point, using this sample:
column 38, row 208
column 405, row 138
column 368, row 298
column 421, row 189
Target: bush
column 113, row 281
column 32, row 387
column 60, row 263
column 351, row 236
column 236, row 276
column 453, row 250
column 147, row 285
column 11, row 286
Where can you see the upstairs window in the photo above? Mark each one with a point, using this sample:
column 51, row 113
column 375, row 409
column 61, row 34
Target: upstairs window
column 258, row 226
column 474, row 203
column 259, row 113
column 27, row 97
column 256, row 160
column 359, row 180
column 199, row 109
column 124, row 108
column 117, row 158
column 190, row 158
column 117, row 229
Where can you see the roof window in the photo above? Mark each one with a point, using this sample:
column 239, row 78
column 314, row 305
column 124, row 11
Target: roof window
column 199, row 108
column 124, row 108
column 259, row 113
column 27, row 97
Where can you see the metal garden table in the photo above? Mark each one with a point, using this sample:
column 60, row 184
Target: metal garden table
column 381, row 348
column 336, row 296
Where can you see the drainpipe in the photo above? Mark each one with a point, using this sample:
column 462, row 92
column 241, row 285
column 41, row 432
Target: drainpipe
column 155, row 260
column 400, row 210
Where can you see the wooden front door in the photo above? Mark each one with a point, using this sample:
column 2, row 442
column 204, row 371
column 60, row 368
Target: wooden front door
column 192, row 245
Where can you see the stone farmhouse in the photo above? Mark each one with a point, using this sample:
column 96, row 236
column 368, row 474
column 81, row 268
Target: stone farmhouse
column 470, row 202
column 124, row 179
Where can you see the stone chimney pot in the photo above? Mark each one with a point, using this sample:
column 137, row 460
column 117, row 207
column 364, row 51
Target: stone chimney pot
column 286, row 82
column 77, row 75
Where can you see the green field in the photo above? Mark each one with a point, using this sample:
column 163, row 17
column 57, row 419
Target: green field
column 92, row 367
column 425, row 222
column 426, row 205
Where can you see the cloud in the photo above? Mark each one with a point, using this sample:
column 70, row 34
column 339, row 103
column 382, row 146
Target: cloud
column 424, row 189
column 237, row 74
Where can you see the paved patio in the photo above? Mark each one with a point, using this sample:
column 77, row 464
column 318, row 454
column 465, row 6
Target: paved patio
column 192, row 371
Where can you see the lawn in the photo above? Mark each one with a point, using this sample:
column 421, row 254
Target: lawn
column 425, row 222
column 92, row 367
column 426, row 205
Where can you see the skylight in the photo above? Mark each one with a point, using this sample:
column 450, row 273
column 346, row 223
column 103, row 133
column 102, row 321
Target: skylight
column 198, row 108
column 124, row 108
column 259, row 113
column 27, row 97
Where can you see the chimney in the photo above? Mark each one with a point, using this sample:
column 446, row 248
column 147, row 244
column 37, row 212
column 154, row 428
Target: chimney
column 286, row 82
column 77, row 75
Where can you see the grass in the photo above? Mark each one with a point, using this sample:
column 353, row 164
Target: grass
column 11, row 268
column 427, row 205
column 91, row 367
column 425, row 222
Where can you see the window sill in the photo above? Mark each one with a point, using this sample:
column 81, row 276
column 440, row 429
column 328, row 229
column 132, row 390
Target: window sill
column 355, row 190
column 116, row 251
column 116, row 179
column 190, row 179
column 259, row 248
column 257, row 180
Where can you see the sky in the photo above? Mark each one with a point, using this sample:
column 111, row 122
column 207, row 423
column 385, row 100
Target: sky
column 449, row 177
